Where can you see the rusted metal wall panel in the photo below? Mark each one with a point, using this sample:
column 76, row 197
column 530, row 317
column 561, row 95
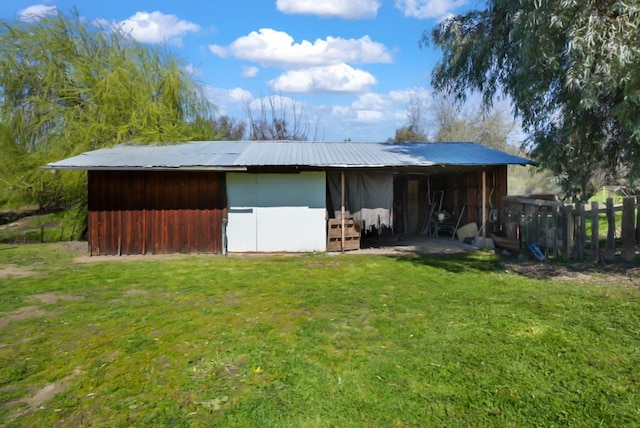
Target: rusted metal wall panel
column 157, row 212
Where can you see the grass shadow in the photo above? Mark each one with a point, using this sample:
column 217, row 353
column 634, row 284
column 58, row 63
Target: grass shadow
column 456, row 263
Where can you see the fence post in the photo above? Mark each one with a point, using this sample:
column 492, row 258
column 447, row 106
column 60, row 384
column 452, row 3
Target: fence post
column 628, row 229
column 610, row 246
column 545, row 230
column 638, row 221
column 567, row 243
column 556, row 231
column 595, row 231
column 580, row 229
column 529, row 217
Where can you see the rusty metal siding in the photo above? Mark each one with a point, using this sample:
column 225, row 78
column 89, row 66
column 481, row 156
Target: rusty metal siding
column 155, row 212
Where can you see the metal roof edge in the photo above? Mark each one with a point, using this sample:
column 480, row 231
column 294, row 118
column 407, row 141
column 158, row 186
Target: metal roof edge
column 147, row 168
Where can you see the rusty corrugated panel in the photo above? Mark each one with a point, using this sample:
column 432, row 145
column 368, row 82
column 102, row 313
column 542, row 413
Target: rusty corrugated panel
column 137, row 212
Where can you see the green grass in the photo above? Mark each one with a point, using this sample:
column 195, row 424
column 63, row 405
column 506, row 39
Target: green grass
column 55, row 227
column 313, row 341
column 602, row 195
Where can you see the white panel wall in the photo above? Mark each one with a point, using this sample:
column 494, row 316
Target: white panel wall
column 276, row 212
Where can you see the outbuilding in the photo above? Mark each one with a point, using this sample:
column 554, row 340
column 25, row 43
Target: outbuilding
column 285, row 196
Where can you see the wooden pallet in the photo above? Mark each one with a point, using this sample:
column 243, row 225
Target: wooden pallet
column 351, row 235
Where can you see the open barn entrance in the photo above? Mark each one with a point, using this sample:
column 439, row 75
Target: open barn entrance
column 438, row 203
column 434, row 202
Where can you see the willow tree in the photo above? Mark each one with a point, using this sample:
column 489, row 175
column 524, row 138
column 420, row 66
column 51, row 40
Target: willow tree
column 572, row 71
column 67, row 86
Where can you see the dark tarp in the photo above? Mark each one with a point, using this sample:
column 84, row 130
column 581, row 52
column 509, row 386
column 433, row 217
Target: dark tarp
column 368, row 198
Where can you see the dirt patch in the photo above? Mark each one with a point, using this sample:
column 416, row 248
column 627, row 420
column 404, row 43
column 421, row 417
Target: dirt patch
column 231, row 299
column 136, row 292
column 77, row 248
column 22, row 314
column 615, row 274
column 15, row 271
column 411, row 244
column 27, row 312
column 125, row 258
column 40, row 396
column 51, row 298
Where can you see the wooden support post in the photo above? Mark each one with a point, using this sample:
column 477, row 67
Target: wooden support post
column 610, row 246
column 343, row 212
column 484, row 209
column 628, row 229
column 595, row 231
column 567, row 223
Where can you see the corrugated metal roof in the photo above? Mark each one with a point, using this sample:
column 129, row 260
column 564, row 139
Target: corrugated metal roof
column 234, row 155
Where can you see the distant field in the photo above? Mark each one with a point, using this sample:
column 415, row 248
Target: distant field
column 313, row 341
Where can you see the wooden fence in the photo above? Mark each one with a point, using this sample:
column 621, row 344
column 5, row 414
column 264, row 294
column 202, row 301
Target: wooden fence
column 573, row 232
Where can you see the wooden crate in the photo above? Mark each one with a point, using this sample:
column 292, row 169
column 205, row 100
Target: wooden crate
column 351, row 235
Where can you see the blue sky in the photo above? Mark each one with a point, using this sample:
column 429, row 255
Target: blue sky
column 352, row 65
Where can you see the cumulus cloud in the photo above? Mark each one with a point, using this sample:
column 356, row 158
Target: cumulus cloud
column 348, row 9
column 35, row 12
column 156, row 27
column 371, row 101
column 250, row 71
column 382, row 110
column 334, row 78
column 228, row 101
column 192, row 70
column 372, row 116
column 218, row 50
column 277, row 48
column 424, row 9
column 369, row 115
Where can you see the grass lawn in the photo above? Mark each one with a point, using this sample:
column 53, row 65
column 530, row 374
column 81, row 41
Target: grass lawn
column 312, row 341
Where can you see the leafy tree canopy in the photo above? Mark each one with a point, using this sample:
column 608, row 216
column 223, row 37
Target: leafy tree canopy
column 572, row 71
column 67, row 86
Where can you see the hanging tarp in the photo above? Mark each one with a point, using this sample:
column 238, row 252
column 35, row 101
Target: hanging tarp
column 368, row 197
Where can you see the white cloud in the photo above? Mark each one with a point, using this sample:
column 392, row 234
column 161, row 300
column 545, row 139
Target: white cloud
column 280, row 104
column 192, row 70
column 334, row 78
column 35, row 12
column 384, row 113
column 218, row 50
column 228, row 101
column 156, row 27
column 404, row 96
column 369, row 116
column 424, row 9
column 371, row 100
column 349, row 9
column 250, row 71
column 277, row 48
